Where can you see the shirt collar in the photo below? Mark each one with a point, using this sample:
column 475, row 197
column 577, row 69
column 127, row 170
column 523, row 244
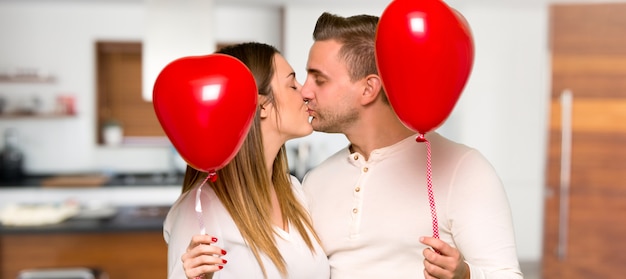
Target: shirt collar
column 383, row 152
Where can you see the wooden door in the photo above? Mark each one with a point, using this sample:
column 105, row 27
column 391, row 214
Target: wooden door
column 585, row 209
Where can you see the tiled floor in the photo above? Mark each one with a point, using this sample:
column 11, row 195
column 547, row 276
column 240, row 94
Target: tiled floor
column 531, row 270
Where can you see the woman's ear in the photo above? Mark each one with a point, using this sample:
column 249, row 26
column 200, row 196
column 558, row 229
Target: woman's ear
column 263, row 106
column 263, row 111
column 373, row 87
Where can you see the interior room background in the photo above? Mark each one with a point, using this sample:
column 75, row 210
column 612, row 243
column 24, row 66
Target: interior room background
column 502, row 111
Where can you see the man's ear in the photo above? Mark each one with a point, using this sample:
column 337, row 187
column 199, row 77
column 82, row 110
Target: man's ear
column 373, row 88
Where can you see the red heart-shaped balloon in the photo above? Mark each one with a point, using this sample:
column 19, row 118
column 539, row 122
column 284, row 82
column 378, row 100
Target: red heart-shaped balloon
column 424, row 55
column 205, row 105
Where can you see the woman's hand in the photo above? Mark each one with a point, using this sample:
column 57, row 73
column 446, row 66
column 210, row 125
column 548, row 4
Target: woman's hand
column 202, row 258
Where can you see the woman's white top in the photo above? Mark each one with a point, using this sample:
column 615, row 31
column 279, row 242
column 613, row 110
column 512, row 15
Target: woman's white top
column 182, row 223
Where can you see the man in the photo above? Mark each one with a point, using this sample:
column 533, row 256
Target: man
column 369, row 201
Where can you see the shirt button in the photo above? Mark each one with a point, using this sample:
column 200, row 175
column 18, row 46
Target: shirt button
column 354, row 210
column 356, row 157
column 357, row 189
column 365, row 169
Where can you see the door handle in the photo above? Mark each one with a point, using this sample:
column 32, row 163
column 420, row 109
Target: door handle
column 566, row 163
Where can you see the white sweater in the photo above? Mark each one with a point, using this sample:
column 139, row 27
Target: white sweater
column 370, row 214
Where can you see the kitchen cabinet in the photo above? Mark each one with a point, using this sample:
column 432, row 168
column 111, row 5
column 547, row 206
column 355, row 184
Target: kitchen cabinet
column 129, row 245
column 131, row 255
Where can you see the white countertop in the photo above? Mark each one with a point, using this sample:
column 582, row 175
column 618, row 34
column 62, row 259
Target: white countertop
column 110, row 195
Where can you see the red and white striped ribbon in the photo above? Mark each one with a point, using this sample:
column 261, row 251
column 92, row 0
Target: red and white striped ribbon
column 431, row 196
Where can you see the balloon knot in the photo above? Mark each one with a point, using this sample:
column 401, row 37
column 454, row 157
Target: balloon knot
column 213, row 176
column 420, row 138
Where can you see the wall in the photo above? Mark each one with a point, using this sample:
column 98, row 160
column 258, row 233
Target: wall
column 502, row 112
column 59, row 39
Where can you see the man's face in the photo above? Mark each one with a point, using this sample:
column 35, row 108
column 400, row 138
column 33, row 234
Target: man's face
column 331, row 95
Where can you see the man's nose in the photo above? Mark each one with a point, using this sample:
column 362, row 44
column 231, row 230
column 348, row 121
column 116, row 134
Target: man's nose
column 306, row 92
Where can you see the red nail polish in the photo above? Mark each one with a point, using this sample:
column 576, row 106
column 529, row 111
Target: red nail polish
column 214, row 239
column 223, row 252
column 221, row 267
column 224, row 261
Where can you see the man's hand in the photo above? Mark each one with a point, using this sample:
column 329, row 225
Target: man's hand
column 445, row 262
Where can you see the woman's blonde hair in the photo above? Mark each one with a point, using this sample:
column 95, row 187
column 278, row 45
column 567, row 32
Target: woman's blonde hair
column 243, row 185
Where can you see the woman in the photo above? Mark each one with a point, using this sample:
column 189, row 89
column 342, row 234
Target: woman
column 256, row 223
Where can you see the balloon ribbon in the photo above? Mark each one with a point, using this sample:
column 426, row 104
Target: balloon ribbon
column 431, row 196
column 213, row 176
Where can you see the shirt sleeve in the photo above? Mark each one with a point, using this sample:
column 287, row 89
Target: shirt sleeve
column 481, row 221
column 178, row 230
column 298, row 191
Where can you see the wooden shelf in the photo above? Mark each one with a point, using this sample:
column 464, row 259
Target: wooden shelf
column 26, row 79
column 35, row 116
